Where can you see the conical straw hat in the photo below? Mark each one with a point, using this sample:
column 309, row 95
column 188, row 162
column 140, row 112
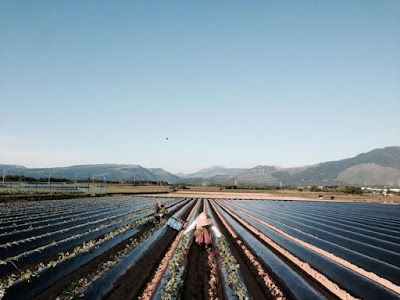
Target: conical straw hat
column 203, row 220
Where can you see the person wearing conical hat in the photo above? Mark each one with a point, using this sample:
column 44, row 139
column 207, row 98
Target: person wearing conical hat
column 203, row 228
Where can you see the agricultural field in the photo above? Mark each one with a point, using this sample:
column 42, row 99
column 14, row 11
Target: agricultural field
column 112, row 248
column 137, row 189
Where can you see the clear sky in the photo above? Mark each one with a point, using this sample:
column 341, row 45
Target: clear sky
column 230, row 83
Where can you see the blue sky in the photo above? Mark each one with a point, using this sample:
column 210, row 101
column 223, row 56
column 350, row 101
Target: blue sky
column 231, row 83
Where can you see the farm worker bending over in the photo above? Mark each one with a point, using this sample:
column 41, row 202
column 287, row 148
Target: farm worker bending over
column 161, row 210
column 203, row 228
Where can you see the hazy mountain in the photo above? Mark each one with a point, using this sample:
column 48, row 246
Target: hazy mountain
column 377, row 167
column 259, row 174
column 110, row 172
column 337, row 172
column 365, row 174
column 213, row 171
column 256, row 175
column 164, row 175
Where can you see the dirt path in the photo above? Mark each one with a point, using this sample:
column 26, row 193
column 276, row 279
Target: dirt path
column 227, row 195
column 198, row 273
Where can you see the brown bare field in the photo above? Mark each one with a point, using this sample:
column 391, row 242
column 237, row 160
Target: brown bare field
column 136, row 189
column 213, row 192
column 216, row 192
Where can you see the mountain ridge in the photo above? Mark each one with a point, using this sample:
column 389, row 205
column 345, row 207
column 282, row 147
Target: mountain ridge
column 379, row 166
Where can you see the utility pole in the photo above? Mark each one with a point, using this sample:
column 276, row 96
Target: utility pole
column 4, row 175
column 103, row 190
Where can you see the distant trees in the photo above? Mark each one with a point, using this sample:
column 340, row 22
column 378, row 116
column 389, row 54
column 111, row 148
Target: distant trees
column 352, row 190
column 21, row 178
column 315, row 188
column 256, row 187
column 347, row 189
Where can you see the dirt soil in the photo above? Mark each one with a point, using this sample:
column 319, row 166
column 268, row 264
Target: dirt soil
column 284, row 195
column 198, row 273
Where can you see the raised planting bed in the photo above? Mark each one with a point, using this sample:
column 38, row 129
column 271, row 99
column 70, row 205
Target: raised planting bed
column 268, row 250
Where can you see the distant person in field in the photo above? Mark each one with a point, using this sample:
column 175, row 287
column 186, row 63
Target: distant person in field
column 203, row 229
column 160, row 212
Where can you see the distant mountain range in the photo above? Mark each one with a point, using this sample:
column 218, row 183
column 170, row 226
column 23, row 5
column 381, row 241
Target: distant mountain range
column 375, row 168
column 109, row 172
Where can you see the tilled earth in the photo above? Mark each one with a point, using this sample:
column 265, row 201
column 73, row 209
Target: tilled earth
column 201, row 279
column 133, row 281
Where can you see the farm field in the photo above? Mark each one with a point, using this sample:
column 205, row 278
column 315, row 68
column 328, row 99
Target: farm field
column 129, row 189
column 111, row 248
column 284, row 194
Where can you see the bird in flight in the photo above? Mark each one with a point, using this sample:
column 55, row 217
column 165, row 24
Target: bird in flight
column 166, row 139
